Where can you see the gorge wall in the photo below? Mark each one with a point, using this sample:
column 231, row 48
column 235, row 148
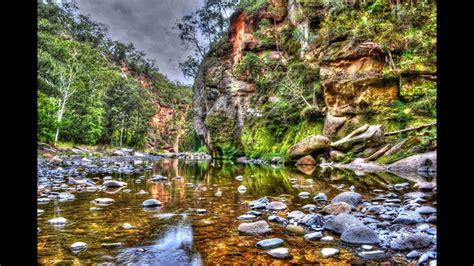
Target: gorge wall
column 289, row 69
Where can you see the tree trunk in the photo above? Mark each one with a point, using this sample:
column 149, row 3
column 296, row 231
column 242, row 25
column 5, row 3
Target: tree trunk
column 60, row 117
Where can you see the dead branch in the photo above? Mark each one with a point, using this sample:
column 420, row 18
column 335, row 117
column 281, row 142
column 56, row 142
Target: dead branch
column 409, row 129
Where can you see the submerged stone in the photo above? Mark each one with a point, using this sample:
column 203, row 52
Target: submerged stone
column 280, row 253
column 259, row 227
column 276, row 206
column 269, row 243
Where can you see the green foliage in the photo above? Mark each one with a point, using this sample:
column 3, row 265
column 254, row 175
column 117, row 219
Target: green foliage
column 250, row 7
column 78, row 62
column 290, row 40
column 203, row 148
column 250, row 66
column 265, row 33
column 229, row 152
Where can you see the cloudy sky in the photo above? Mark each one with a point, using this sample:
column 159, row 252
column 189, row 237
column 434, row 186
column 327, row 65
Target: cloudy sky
column 147, row 24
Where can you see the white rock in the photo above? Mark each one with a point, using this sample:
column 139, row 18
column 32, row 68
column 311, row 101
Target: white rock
column 367, row 247
column 242, row 189
column 58, row 221
column 103, row 201
column 78, row 246
column 239, row 178
column 142, row 192
column 303, row 194
column 281, row 253
column 127, row 226
column 327, row 239
column 328, row 252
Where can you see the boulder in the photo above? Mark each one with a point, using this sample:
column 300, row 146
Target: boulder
column 410, row 242
column 349, row 197
column 359, row 235
column 337, row 208
column 341, row 222
column 259, row 227
column 408, row 217
column 425, row 162
column 306, row 160
column 359, row 139
column 309, row 145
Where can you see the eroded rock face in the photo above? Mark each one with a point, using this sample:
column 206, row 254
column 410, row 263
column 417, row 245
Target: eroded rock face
column 352, row 81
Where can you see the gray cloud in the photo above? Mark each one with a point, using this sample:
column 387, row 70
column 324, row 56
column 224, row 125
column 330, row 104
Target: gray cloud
column 147, row 24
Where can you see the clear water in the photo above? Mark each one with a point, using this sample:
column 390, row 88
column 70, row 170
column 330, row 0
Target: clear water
column 175, row 234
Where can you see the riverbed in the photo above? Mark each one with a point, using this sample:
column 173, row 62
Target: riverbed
column 197, row 221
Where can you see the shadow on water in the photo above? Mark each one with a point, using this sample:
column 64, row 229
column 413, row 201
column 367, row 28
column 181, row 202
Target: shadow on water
column 175, row 234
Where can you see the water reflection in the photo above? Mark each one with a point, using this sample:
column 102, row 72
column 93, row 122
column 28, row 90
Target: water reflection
column 173, row 247
column 175, row 233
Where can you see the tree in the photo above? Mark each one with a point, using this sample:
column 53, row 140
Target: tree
column 199, row 30
column 65, row 75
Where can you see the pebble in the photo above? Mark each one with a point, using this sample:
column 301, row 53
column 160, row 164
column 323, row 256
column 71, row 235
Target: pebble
column 78, row 246
column 241, row 189
column 320, row 197
column 201, row 211
column 58, row 221
column 269, row 243
column 239, row 178
column 295, row 215
column 280, row 253
column 304, row 195
column 151, row 203
column 142, row 192
column 367, row 247
column 413, row 254
column 329, row 252
column 327, row 239
column 425, row 210
column 313, row 236
column 309, row 207
column 276, row 206
column 127, row 226
column 372, row 255
column 295, row 230
column 103, row 201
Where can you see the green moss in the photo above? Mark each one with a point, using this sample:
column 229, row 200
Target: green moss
column 221, row 129
column 259, row 140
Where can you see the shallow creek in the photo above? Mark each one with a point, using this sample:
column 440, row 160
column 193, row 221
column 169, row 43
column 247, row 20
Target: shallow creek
column 176, row 234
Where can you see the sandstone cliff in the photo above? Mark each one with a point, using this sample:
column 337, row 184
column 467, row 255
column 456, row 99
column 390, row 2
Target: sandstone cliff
column 290, row 69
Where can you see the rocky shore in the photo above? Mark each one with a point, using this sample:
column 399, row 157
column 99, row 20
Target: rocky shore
column 391, row 223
